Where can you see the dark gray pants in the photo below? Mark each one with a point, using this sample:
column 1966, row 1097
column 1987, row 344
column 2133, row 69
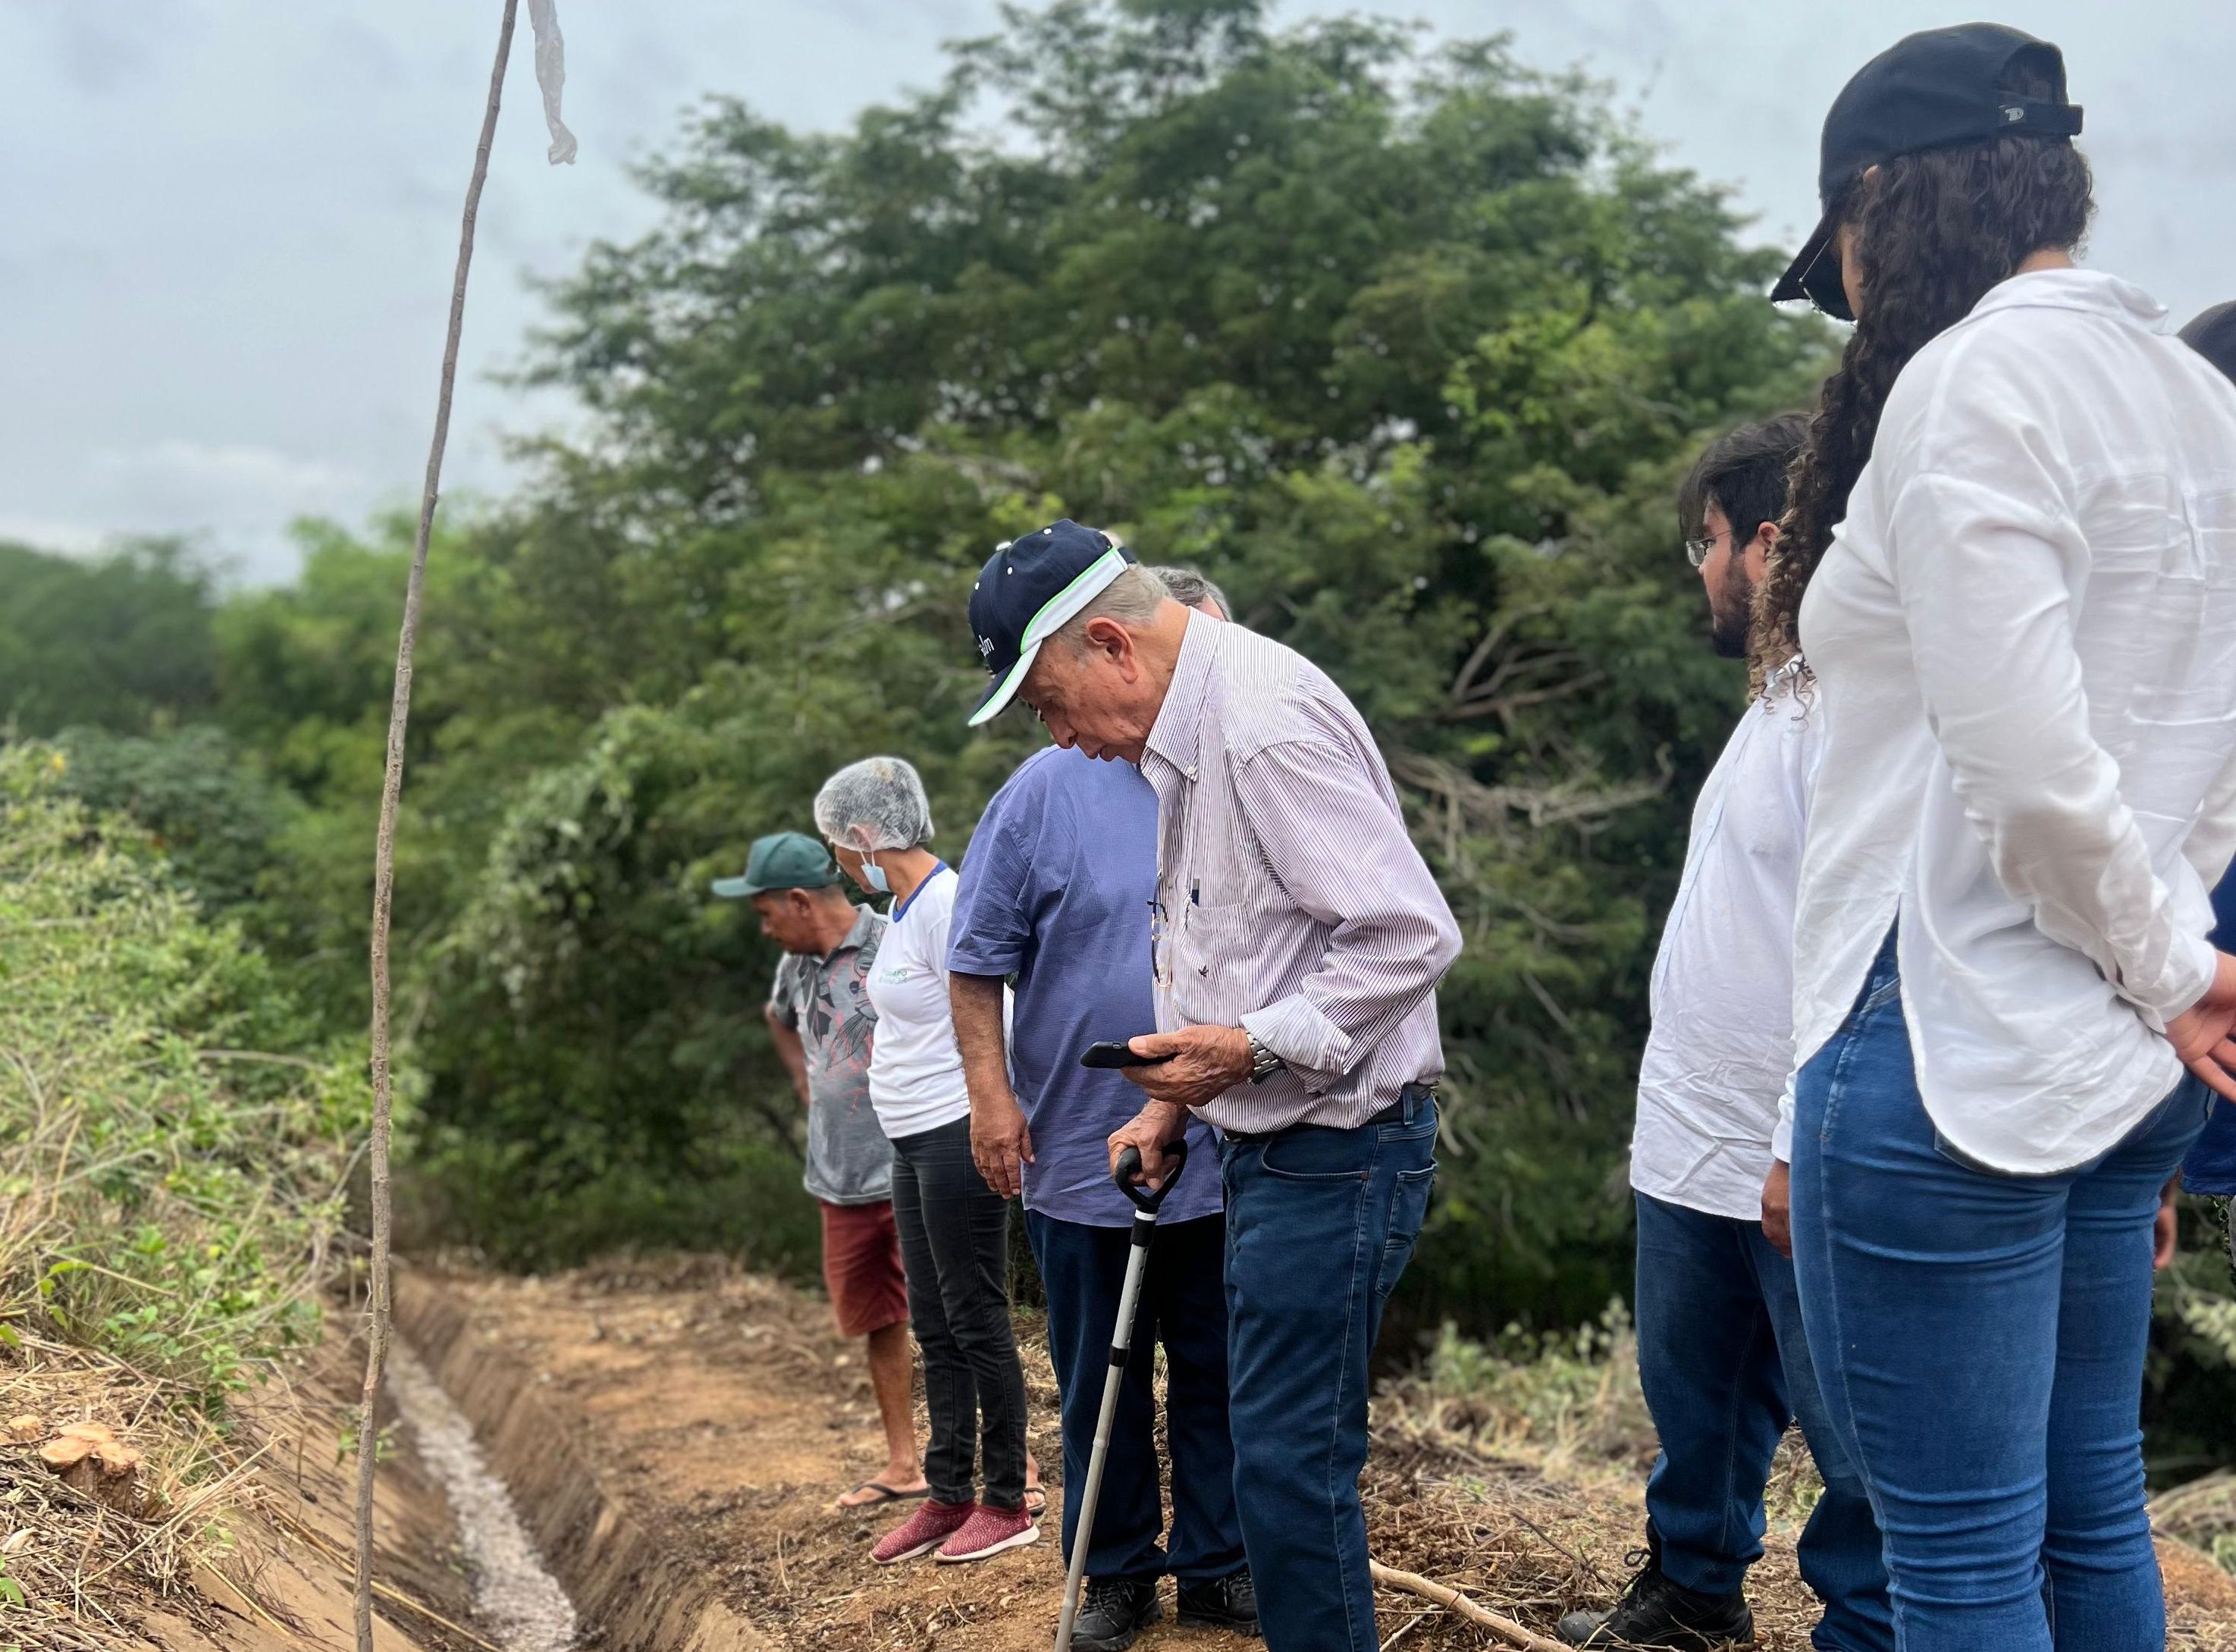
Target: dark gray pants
column 955, row 1248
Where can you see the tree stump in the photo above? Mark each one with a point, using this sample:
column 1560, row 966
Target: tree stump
column 89, row 1458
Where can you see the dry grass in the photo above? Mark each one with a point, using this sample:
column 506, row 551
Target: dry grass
column 88, row 1572
column 1518, row 1475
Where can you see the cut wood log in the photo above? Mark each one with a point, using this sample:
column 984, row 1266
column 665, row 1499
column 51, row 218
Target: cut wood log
column 1460, row 1606
column 22, row 1430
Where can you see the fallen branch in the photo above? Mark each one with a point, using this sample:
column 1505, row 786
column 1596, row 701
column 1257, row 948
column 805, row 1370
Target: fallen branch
column 384, row 854
column 1458, row 1604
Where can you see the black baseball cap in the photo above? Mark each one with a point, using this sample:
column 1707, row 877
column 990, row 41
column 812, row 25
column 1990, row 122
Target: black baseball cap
column 1027, row 589
column 2213, row 335
column 1929, row 90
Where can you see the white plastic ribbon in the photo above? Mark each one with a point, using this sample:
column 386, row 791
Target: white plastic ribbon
column 551, row 76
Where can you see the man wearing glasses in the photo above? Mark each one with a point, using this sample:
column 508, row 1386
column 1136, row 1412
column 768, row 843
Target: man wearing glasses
column 1298, row 942
column 1055, row 894
column 1720, row 1349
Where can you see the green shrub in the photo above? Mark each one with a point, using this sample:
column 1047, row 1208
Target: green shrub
column 171, row 1169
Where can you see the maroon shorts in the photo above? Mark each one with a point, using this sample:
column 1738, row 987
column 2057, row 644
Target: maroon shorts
column 862, row 1268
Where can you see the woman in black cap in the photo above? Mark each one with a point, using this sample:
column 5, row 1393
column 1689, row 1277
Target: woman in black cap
column 2015, row 523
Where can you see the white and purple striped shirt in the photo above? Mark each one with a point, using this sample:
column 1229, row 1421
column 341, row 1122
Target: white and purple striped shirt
column 1290, row 900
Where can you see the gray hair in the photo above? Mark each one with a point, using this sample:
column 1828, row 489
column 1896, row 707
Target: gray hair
column 879, row 803
column 1190, row 589
column 1132, row 599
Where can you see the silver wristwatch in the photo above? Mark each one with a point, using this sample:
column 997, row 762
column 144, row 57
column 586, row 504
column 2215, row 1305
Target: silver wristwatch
column 1264, row 1063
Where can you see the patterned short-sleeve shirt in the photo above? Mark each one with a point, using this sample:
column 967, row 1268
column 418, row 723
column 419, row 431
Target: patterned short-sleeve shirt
column 826, row 1002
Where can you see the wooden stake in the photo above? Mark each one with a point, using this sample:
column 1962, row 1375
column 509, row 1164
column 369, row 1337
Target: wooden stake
column 383, row 873
column 1452, row 1601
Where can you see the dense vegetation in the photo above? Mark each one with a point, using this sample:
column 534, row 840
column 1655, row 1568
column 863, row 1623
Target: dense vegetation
column 174, row 1131
column 1406, row 347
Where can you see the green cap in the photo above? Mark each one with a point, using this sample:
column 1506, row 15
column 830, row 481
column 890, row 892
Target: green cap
column 781, row 860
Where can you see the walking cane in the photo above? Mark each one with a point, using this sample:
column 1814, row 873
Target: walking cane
column 1146, row 1200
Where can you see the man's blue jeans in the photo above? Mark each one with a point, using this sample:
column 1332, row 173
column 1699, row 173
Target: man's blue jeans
column 1980, row 1341
column 1320, row 1223
column 1184, row 1306
column 1726, row 1365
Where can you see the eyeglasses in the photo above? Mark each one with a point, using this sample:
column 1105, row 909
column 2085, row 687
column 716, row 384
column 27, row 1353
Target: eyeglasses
column 1159, row 926
column 1696, row 550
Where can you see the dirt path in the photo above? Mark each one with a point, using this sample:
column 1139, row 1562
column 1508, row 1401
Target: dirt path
column 721, row 1412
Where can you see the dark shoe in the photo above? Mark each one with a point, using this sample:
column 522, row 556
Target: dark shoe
column 1229, row 1603
column 1655, row 1612
column 1112, row 1613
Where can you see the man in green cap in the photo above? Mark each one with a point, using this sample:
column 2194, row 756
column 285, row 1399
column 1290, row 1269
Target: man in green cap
column 820, row 1016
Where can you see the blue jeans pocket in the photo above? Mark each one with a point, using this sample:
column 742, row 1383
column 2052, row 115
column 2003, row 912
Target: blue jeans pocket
column 1308, row 1155
column 1409, row 1209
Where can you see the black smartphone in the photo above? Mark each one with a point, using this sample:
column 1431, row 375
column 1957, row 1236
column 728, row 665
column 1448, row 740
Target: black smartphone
column 1111, row 1053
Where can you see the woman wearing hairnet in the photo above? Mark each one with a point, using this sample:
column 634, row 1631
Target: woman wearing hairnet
column 954, row 1229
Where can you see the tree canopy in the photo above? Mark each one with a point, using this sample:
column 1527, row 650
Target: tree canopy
column 1403, row 344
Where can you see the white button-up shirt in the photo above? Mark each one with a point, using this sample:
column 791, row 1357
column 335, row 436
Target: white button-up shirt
column 1722, row 1043
column 2024, row 637
column 1290, row 900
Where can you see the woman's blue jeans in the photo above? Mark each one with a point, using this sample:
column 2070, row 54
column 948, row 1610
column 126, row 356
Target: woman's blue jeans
column 1980, row 1339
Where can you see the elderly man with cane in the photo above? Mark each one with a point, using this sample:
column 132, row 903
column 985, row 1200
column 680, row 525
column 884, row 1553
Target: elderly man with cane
column 1297, row 941
column 1054, row 898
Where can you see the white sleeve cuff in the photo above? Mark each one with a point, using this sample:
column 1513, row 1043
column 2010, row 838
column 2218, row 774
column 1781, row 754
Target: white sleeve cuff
column 1309, row 1044
column 2189, row 972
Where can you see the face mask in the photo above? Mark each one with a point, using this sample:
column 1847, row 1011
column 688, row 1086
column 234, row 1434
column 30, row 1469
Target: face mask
column 874, row 875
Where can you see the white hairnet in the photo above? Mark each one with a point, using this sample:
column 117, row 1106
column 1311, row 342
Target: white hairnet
column 877, row 803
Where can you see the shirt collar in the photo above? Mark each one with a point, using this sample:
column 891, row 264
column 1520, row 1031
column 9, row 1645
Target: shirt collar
column 2074, row 289
column 866, row 921
column 900, row 907
column 1176, row 734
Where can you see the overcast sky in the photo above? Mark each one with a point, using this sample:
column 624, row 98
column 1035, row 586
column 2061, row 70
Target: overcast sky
column 226, row 226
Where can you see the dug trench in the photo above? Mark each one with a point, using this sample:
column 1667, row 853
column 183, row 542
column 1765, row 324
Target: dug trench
column 672, row 1436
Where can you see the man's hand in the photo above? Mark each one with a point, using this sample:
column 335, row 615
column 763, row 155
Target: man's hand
column 2200, row 1034
column 2166, row 1227
column 1000, row 1144
column 1778, row 1207
column 1194, row 1065
column 1148, row 1130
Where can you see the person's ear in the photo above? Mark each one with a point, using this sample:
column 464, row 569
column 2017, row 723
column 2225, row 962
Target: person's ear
column 1107, row 637
column 1755, row 555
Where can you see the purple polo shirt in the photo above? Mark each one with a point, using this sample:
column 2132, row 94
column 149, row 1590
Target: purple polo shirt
column 1055, row 892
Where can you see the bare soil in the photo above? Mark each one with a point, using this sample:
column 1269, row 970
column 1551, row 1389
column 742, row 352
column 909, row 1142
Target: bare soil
column 674, row 1435
column 725, row 1414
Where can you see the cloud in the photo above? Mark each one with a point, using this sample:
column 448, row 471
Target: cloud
column 46, row 533
column 179, row 479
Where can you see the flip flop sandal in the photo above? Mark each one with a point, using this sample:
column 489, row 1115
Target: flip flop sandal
column 885, row 1494
column 1036, row 1501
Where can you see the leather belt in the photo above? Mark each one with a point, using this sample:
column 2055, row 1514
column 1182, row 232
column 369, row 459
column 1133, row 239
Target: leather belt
column 1411, row 1100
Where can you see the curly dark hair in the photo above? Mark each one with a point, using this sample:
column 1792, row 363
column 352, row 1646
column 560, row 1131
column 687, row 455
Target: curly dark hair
column 1934, row 231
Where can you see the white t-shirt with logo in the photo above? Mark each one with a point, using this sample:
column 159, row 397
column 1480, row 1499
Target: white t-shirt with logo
column 916, row 1070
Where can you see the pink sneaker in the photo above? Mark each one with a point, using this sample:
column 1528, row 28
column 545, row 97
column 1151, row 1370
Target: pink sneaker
column 923, row 1531
column 988, row 1531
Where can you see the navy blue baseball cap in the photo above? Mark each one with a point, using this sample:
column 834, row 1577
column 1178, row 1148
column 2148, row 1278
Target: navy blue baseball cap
column 2213, row 335
column 1929, row 90
column 1026, row 592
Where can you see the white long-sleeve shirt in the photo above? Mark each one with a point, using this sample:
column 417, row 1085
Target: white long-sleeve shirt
column 1722, row 1042
column 1290, row 900
column 2024, row 638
